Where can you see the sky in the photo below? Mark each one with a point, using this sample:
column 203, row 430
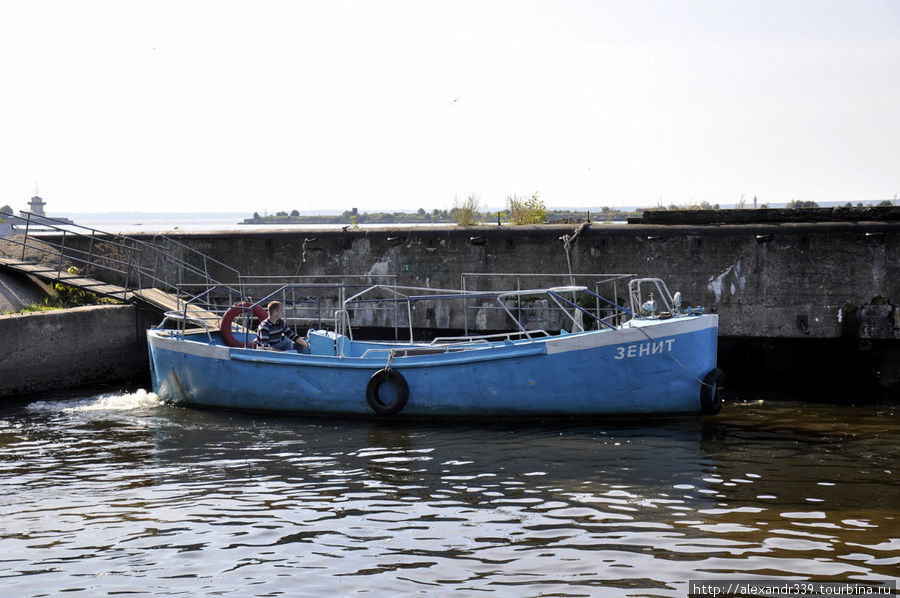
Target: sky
column 218, row 105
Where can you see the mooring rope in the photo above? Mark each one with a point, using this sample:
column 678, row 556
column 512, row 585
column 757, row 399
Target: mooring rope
column 567, row 245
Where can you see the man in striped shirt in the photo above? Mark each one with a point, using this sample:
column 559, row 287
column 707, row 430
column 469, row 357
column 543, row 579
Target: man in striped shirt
column 273, row 332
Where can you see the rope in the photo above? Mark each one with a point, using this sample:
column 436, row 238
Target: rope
column 567, row 244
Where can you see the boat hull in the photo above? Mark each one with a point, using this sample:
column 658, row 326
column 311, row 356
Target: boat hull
column 653, row 367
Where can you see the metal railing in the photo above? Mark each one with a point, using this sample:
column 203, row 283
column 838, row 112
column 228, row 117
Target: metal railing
column 581, row 313
column 604, row 307
column 167, row 246
column 116, row 259
column 334, row 303
column 309, row 300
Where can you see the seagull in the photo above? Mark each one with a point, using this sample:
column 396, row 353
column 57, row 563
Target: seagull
column 456, row 99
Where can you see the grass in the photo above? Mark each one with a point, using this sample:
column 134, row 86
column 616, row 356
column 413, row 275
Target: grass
column 466, row 212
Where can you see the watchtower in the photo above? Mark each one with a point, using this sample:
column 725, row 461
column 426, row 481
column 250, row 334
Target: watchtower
column 36, row 206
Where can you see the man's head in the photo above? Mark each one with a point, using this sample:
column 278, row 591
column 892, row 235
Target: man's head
column 276, row 310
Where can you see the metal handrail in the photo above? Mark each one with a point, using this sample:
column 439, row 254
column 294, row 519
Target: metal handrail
column 447, row 347
column 178, row 316
column 554, row 294
column 135, row 261
column 636, row 295
column 291, row 295
column 206, row 258
column 61, row 254
column 597, row 280
column 370, row 297
column 498, row 335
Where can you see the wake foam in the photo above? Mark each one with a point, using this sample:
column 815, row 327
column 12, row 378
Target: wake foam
column 114, row 402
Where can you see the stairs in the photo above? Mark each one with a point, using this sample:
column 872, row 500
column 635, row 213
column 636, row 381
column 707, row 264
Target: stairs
column 155, row 298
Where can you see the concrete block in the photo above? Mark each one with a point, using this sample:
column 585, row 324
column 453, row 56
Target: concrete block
column 70, row 347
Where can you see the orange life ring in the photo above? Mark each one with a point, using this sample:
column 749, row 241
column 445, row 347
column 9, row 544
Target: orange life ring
column 241, row 307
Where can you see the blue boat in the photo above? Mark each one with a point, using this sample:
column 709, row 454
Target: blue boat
column 655, row 357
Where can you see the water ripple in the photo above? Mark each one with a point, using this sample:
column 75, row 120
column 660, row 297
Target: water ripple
column 121, row 493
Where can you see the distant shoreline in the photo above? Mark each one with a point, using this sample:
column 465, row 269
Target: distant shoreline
column 162, row 222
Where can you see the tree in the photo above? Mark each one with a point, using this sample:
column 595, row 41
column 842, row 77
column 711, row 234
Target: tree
column 7, row 210
column 796, row 203
column 885, row 203
column 256, row 215
column 295, row 213
column 421, row 211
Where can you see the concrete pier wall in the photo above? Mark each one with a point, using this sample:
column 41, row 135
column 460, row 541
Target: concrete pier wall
column 817, row 280
column 66, row 348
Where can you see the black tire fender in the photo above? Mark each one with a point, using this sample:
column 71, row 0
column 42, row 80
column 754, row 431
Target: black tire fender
column 712, row 391
column 373, row 396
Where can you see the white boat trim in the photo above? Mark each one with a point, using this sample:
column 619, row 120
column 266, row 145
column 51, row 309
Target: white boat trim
column 630, row 334
column 162, row 340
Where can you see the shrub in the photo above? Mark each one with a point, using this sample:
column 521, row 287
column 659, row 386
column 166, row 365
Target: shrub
column 466, row 212
column 529, row 210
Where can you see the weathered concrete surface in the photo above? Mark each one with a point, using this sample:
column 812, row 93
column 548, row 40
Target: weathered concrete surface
column 18, row 291
column 765, row 281
column 771, row 215
column 66, row 348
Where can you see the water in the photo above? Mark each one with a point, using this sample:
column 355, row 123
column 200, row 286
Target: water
column 120, row 494
column 171, row 222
